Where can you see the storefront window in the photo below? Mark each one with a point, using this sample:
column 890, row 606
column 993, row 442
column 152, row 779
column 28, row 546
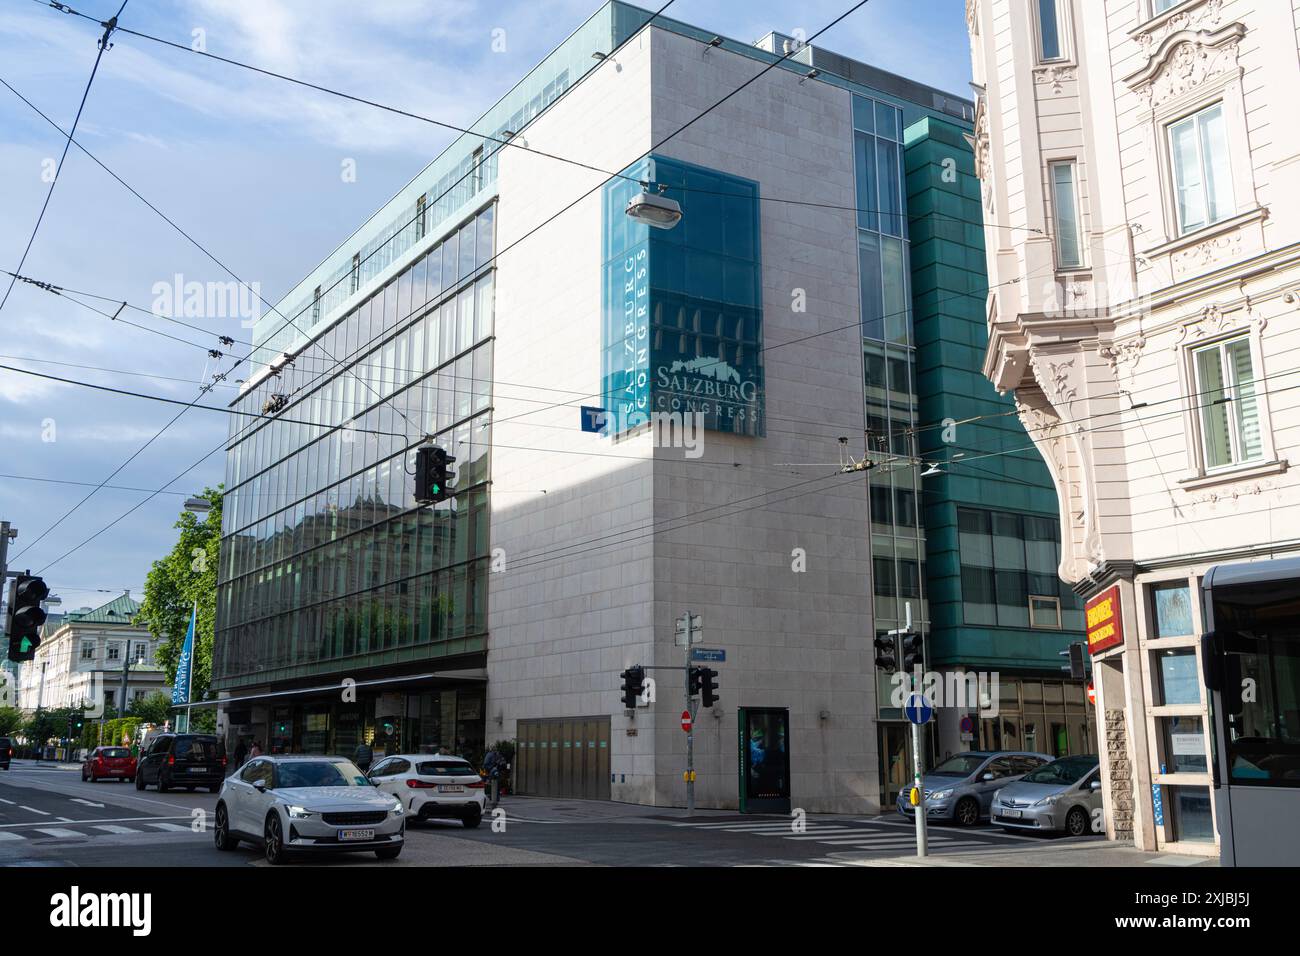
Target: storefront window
column 1184, row 745
column 1193, row 821
column 1172, row 606
column 1179, row 682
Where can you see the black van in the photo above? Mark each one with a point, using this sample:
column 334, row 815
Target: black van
column 182, row 762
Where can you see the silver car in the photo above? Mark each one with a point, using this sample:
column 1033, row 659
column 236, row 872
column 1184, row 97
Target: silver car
column 961, row 788
column 293, row 804
column 1062, row 796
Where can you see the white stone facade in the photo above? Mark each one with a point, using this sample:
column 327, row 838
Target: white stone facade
column 1101, row 349
column 604, row 544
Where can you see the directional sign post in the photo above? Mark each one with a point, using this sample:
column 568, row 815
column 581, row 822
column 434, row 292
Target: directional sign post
column 918, row 709
column 689, row 631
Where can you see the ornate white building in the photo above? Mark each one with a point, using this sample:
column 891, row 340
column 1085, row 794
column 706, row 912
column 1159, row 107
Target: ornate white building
column 1140, row 162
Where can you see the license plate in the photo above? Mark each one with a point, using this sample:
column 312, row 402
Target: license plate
column 198, row 769
column 450, row 788
column 356, row 834
column 1013, row 814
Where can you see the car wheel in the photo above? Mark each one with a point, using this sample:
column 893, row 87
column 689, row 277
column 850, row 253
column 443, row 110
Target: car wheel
column 471, row 819
column 83, row 774
column 1076, row 822
column 139, row 780
column 276, row 854
column 967, row 812
column 221, row 833
column 389, row 852
column 163, row 785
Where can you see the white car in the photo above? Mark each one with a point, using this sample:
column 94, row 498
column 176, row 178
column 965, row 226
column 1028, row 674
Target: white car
column 433, row 785
column 295, row 803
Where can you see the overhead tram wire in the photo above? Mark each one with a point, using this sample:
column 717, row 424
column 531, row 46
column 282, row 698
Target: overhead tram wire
column 109, row 27
column 409, row 114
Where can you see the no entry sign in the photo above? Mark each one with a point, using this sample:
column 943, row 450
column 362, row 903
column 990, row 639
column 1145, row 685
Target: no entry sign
column 686, row 721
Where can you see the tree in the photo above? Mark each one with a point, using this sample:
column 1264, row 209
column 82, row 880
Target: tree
column 11, row 721
column 152, row 709
column 175, row 583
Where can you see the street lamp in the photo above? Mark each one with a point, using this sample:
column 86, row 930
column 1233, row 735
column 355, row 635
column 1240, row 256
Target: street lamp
column 198, row 505
column 654, row 209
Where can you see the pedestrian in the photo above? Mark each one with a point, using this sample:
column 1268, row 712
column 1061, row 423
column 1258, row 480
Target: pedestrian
column 241, row 754
column 255, row 750
column 363, row 756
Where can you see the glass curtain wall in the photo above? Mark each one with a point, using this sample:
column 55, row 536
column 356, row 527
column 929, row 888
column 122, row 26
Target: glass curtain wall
column 897, row 538
column 326, row 560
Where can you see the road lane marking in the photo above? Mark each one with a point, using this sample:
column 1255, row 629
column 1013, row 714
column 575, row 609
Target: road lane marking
column 5, row 835
column 62, row 832
column 172, row 827
column 111, row 828
column 12, row 803
column 15, row 826
column 89, row 803
column 23, row 806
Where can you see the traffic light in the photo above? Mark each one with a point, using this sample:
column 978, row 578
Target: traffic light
column 633, row 685
column 432, row 475
column 887, row 652
column 25, row 616
column 1076, row 666
column 913, row 651
column 708, row 686
column 693, row 681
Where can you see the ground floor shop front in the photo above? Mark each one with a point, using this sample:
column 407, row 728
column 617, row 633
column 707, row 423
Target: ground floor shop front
column 420, row 715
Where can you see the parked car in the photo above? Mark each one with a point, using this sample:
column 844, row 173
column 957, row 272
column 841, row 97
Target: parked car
column 1060, row 796
column 108, row 763
column 433, row 786
column 296, row 803
column 961, row 788
column 6, row 752
column 182, row 761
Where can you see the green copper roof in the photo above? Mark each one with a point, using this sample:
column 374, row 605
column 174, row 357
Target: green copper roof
column 121, row 610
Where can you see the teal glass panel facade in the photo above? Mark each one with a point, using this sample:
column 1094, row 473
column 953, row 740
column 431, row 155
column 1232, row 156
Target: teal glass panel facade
column 683, row 314
column 992, row 524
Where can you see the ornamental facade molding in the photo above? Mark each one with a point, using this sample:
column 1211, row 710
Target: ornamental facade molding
column 1054, row 76
column 1202, row 256
column 1184, row 60
column 1124, row 356
column 1215, row 320
column 1206, row 16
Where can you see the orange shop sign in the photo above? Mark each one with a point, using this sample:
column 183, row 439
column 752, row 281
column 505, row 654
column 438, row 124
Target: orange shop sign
column 1105, row 623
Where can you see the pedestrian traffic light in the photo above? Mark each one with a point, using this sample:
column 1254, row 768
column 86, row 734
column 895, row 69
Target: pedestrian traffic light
column 913, row 651
column 25, row 616
column 708, row 686
column 887, row 652
column 693, row 681
column 633, row 685
column 432, row 475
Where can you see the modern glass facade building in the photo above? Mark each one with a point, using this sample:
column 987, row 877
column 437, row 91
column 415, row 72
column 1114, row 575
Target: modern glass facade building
column 348, row 613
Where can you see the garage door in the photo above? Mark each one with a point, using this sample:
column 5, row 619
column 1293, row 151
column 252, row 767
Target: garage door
column 563, row 757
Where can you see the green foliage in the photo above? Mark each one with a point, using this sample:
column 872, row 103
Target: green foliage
column 185, row 576
column 49, row 724
column 11, row 721
column 119, row 727
column 152, row 709
column 505, row 748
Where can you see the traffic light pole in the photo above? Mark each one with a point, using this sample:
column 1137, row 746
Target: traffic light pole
column 918, row 781
column 690, row 734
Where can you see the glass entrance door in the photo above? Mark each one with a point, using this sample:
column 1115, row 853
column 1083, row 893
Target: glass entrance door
column 895, row 761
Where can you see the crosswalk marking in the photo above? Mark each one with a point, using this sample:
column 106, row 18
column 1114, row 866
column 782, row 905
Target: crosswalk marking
column 6, row 835
column 172, row 827
column 114, row 828
column 63, row 832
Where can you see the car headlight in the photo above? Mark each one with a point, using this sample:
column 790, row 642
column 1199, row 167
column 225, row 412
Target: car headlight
column 398, row 810
column 941, row 794
column 997, row 796
column 299, row 813
column 1048, row 801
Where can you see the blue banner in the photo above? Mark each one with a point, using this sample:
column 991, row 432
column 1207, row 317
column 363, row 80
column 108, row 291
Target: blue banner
column 185, row 666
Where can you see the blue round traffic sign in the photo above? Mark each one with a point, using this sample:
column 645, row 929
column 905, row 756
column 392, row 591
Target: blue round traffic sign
column 918, row 709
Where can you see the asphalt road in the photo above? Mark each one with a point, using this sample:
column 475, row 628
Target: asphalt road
column 49, row 817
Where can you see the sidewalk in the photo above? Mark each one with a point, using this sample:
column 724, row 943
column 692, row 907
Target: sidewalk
column 1110, row 853
column 29, row 764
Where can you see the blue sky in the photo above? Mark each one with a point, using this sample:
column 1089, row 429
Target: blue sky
column 250, row 166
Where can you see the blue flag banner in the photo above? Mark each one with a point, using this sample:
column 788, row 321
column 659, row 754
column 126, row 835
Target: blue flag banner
column 181, row 688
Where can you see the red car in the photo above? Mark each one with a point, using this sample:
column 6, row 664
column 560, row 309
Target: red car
column 108, row 763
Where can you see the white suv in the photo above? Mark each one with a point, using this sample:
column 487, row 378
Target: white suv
column 432, row 785
column 291, row 804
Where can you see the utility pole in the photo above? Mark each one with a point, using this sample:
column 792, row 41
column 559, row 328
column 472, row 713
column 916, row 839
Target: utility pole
column 690, row 631
column 918, row 778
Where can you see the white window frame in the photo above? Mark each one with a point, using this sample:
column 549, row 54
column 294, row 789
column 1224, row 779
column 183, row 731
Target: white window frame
column 87, row 649
column 1198, row 406
column 113, row 652
column 1044, row 598
column 1063, row 31
column 1181, row 229
column 1073, row 164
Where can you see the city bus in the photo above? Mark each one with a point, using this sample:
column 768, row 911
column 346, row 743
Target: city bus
column 1251, row 660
